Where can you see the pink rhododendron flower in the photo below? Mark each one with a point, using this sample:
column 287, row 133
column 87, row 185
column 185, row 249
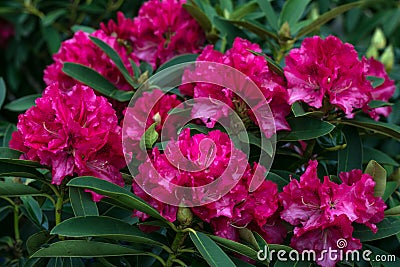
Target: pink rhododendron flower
column 80, row 49
column 382, row 92
column 322, row 212
column 145, row 112
column 328, row 237
column 255, row 67
column 238, row 208
column 74, row 132
column 122, row 29
column 327, row 68
column 163, row 29
column 309, row 202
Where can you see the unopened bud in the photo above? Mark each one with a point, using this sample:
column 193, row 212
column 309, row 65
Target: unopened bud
column 184, row 216
column 378, row 39
column 387, row 58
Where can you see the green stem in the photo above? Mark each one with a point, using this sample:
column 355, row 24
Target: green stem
column 175, row 247
column 158, row 258
column 59, row 206
column 16, row 223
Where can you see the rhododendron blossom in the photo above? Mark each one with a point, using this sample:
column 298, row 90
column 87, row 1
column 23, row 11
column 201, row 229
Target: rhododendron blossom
column 255, row 67
column 313, row 206
column 383, row 92
column 163, row 29
column 327, row 71
column 74, row 132
column 80, row 49
column 238, row 208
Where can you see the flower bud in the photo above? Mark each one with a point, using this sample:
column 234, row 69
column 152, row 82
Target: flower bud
column 184, row 216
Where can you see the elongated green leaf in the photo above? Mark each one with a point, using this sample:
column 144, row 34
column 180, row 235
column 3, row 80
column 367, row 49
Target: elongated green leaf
column 305, row 128
column 118, row 194
column 210, row 251
column 386, row 228
column 235, row 247
column 83, row 248
column 52, row 16
column 8, row 134
column 9, row 189
column 199, row 16
column 292, row 11
column 95, row 80
column 3, row 91
column 22, row 162
column 8, row 169
column 23, row 103
column 395, row 211
column 383, row 128
column 375, row 81
column 244, row 10
column 52, row 38
column 36, row 240
column 279, row 180
column 269, row 13
column 226, row 5
column 324, row 18
column 82, row 203
column 83, row 28
column 32, row 210
column 379, row 174
column 8, row 153
column 113, row 55
column 390, row 188
column 370, row 153
column 105, row 227
column 178, row 60
column 255, row 28
column 298, row 111
column 379, row 103
column 350, row 157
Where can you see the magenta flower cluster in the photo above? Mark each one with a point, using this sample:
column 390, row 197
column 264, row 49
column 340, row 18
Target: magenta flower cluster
column 75, row 131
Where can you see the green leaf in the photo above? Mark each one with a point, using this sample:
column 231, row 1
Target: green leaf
column 21, row 162
column 10, row 189
column 83, row 248
column 52, row 16
column 379, row 174
column 389, row 190
column 114, row 56
column 8, row 153
column 52, row 38
column 305, row 128
column 36, row 240
column 23, row 103
column 350, row 157
column 254, row 27
column 32, row 210
column 82, row 203
column 226, row 5
column 178, row 60
column 3, row 91
column 83, row 28
column 8, row 134
column 150, row 137
column 95, row 80
column 244, row 10
column 271, row 64
column 105, row 227
column 292, row 11
column 379, row 103
column 199, row 16
column 235, row 247
column 298, row 111
column 387, row 227
column 370, row 153
column 269, row 13
column 118, row 194
column 395, row 211
column 383, row 128
column 8, row 169
column 324, row 18
column 210, row 251
column 4, row 211
column 279, row 180
column 375, row 81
